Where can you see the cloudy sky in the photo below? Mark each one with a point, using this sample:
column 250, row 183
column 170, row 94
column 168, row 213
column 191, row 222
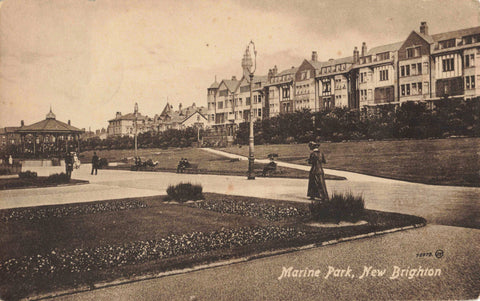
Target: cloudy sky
column 90, row 58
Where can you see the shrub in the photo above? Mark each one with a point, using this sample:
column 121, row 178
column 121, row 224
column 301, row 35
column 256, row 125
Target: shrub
column 339, row 207
column 184, row 191
column 4, row 171
column 58, row 178
column 27, row 175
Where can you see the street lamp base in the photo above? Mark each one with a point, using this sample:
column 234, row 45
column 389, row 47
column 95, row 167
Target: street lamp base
column 250, row 177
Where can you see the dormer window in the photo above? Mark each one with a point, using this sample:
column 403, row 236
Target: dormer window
column 383, row 56
column 446, row 44
column 471, row 39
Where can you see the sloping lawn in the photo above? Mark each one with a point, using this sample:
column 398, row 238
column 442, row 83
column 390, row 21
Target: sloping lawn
column 53, row 248
column 439, row 161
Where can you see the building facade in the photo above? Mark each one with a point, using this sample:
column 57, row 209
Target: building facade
column 422, row 67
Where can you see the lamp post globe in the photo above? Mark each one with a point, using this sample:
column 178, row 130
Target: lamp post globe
column 249, row 66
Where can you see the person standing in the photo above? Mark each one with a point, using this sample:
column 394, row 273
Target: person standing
column 94, row 163
column 10, row 160
column 316, row 179
column 69, row 165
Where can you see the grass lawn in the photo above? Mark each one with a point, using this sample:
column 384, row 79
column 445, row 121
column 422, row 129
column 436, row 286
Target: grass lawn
column 440, row 161
column 18, row 183
column 208, row 163
column 58, row 247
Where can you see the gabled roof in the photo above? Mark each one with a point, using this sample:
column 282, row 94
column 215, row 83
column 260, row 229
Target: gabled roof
column 11, row 129
column 292, row 70
column 129, row 116
column 455, row 34
column 167, row 110
column 427, row 38
column 316, row 64
column 214, row 85
column 231, row 85
column 196, row 112
column 385, row 48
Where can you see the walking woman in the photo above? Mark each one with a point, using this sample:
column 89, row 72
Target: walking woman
column 316, row 179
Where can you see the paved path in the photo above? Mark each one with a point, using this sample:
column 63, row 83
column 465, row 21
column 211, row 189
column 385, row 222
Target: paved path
column 446, row 205
column 258, row 279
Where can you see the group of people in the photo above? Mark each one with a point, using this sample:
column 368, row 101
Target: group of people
column 182, row 165
column 72, row 161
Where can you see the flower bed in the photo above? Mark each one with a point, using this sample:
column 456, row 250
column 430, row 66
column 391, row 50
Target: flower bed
column 262, row 210
column 37, row 213
column 111, row 256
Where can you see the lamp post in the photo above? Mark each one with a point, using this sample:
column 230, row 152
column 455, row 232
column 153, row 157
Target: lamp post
column 135, row 112
column 249, row 68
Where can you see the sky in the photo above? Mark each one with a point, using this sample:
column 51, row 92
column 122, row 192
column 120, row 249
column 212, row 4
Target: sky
column 88, row 59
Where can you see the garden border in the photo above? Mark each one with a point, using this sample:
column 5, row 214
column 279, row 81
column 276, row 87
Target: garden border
column 260, row 255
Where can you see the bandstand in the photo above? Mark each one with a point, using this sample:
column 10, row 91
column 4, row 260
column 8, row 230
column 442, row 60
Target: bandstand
column 49, row 138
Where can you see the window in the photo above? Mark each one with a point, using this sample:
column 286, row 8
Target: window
column 413, row 52
column 414, row 69
column 383, row 75
column 414, row 88
column 469, row 60
column 383, row 56
column 470, row 82
column 402, row 71
column 363, row 77
column 247, row 101
column 447, row 65
column 327, row 87
column 419, row 87
column 408, row 89
column 220, row 104
column 402, row 88
column 369, row 95
column 285, row 93
column 419, row 68
column 259, row 98
column 407, row 70
column 425, row 86
column 446, row 44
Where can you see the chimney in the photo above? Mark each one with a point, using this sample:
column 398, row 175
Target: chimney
column 314, row 56
column 234, row 77
column 355, row 55
column 275, row 70
column 364, row 49
column 69, row 122
column 22, row 123
column 180, row 107
column 330, row 60
column 424, row 28
column 118, row 115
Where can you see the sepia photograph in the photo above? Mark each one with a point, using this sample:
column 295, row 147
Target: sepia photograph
column 239, row 150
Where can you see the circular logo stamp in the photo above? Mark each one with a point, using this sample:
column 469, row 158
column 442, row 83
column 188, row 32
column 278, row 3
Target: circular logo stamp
column 439, row 254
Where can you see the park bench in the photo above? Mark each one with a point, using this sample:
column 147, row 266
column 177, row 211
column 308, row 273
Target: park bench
column 190, row 168
column 265, row 169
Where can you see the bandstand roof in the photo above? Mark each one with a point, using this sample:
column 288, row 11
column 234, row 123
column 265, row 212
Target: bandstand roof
column 49, row 125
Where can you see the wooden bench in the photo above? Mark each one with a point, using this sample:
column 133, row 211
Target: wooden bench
column 264, row 169
column 191, row 168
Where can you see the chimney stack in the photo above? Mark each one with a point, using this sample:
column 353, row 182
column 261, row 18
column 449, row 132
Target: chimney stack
column 364, row 49
column 424, row 28
column 234, row 77
column 69, row 122
column 22, row 123
column 118, row 115
column 355, row 55
column 275, row 70
column 314, row 56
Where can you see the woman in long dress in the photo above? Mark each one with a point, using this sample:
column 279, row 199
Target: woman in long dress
column 316, row 179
